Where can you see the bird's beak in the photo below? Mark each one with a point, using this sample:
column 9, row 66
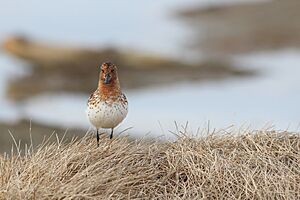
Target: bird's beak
column 107, row 78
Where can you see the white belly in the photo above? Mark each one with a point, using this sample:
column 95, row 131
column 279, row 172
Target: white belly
column 103, row 115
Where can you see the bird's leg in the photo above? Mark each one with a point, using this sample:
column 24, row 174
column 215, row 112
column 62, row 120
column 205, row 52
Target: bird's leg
column 98, row 138
column 111, row 133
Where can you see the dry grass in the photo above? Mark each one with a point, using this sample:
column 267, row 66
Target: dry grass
column 254, row 165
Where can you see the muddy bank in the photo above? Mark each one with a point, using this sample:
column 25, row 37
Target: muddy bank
column 236, row 28
column 74, row 69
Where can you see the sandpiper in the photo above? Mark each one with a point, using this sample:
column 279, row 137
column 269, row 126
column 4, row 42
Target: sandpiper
column 107, row 106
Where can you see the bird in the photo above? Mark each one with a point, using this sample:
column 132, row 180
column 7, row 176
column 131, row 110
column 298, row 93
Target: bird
column 107, row 106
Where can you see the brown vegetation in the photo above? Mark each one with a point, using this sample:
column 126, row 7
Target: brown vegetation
column 255, row 165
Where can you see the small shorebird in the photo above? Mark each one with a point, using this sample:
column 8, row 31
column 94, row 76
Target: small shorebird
column 107, row 106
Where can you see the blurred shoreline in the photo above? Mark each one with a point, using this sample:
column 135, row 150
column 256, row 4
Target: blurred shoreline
column 243, row 27
column 58, row 68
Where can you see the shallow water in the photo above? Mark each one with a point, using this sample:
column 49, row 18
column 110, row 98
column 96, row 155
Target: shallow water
column 9, row 68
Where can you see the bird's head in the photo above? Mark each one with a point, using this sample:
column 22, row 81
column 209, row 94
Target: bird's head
column 108, row 73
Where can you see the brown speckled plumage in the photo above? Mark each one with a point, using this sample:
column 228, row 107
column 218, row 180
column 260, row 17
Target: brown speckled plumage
column 107, row 106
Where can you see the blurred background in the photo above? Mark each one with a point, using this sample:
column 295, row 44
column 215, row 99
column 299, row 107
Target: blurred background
column 210, row 63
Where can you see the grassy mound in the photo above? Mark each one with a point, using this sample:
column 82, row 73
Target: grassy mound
column 257, row 165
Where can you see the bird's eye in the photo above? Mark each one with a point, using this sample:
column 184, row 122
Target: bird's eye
column 112, row 70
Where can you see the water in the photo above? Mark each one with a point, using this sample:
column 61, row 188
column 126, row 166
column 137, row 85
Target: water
column 9, row 68
column 268, row 99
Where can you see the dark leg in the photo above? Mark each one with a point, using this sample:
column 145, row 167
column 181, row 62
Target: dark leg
column 111, row 133
column 98, row 138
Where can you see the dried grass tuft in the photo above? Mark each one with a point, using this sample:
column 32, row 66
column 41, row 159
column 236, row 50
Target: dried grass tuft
column 259, row 165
